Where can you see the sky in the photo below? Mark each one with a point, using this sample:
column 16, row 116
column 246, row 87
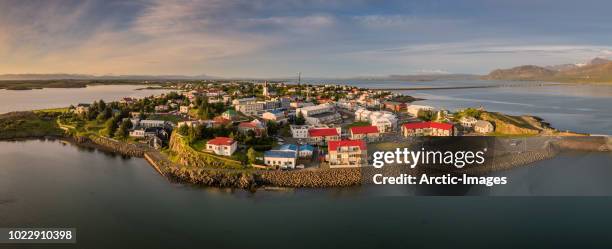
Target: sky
column 278, row 38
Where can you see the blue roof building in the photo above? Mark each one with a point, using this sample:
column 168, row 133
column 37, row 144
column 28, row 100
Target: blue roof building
column 291, row 147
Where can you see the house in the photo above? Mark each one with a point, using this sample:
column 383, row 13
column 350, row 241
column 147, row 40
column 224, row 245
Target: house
column 305, row 151
column 195, row 123
column 221, row 121
column 82, row 108
column 427, row 129
column 484, row 127
column 229, row 115
column 367, row 133
column 347, row 153
column 320, row 114
column 256, row 126
column 284, row 159
column 414, row 109
column 184, row 109
column 161, row 108
column 127, row 101
column 322, row 136
column 224, row 146
column 394, row 106
column 467, row 121
column 154, row 123
column 276, row 116
column 384, row 120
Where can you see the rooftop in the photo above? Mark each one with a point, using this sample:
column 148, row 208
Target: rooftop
column 334, row 145
column 221, row 141
column 288, row 147
column 364, row 129
column 322, row 132
column 280, row 154
column 422, row 125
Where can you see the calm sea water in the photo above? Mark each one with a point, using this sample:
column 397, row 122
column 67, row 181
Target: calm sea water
column 63, row 97
column 117, row 202
column 576, row 107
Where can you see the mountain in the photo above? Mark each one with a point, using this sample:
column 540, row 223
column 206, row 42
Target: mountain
column 101, row 77
column 598, row 61
column 528, row 72
column 596, row 70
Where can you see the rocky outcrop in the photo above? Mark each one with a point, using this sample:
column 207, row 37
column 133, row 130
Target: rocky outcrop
column 113, row 145
column 213, row 177
column 321, row 178
column 188, row 156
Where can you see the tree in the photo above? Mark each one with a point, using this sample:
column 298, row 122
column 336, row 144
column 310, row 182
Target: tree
column 124, row 128
column 272, row 128
column 299, row 120
column 252, row 155
column 110, row 126
column 183, row 130
column 425, row 115
column 101, row 105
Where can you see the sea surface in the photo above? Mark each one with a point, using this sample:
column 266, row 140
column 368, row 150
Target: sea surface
column 585, row 108
column 119, row 202
column 26, row 100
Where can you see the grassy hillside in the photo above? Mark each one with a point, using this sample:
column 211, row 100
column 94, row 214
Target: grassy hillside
column 28, row 124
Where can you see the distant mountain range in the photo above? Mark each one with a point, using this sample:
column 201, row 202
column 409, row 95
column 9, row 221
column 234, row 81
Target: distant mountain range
column 595, row 70
column 102, row 77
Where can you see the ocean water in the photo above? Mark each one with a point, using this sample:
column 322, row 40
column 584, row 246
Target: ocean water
column 119, row 202
column 63, row 97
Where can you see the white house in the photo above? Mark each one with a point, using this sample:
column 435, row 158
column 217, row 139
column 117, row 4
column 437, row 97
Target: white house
column 414, row 109
column 281, row 158
column 224, row 146
column 467, row 121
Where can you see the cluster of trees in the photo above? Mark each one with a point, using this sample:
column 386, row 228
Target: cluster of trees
column 207, row 110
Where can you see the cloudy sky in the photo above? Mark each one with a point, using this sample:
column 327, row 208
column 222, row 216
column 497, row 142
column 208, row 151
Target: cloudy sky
column 324, row 38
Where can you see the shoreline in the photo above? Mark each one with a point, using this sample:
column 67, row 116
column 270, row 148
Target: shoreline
column 319, row 178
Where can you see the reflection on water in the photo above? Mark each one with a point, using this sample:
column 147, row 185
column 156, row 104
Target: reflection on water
column 116, row 202
column 63, row 97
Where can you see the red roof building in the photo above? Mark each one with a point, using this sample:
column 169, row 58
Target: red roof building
column 368, row 133
column 334, row 145
column 221, row 141
column 321, row 136
column 364, row 129
column 322, row 132
column 427, row 129
column 347, row 153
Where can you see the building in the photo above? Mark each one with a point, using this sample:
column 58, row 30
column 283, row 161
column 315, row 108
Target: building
column 276, row 116
column 195, row 123
column 184, row 109
column 467, row 121
column 257, row 127
column 224, row 146
column 320, row 114
column 153, row 123
column 385, row 121
column 284, row 159
column 305, row 151
column 321, row 136
column 367, row 133
column 161, row 108
column 414, row 109
column 394, row 106
column 82, row 108
column 230, row 115
column 484, row 127
column 427, row 129
column 347, row 153
column 248, row 106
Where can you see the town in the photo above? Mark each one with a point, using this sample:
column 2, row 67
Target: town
column 272, row 125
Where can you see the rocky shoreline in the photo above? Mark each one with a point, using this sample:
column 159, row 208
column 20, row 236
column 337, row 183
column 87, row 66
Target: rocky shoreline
column 318, row 178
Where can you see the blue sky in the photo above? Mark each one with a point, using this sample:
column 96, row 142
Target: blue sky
column 254, row 38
